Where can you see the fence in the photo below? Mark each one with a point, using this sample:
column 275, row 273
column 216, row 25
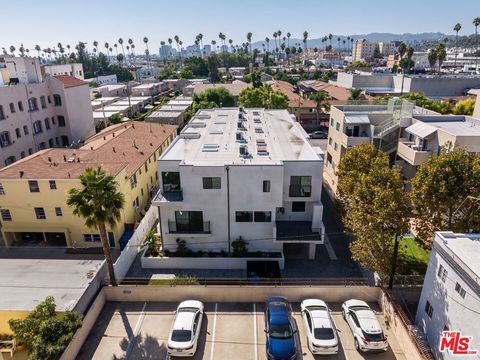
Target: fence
column 134, row 245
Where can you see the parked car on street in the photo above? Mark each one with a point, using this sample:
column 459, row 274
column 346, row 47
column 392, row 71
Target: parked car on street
column 367, row 332
column 318, row 135
column 280, row 330
column 321, row 332
column 183, row 338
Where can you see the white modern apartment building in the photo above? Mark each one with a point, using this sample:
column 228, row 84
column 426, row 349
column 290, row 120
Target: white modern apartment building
column 38, row 113
column 450, row 299
column 75, row 70
column 241, row 173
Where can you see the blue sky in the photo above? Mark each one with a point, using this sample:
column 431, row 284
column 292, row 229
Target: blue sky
column 50, row 21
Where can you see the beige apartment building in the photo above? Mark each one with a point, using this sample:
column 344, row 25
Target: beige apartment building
column 364, row 50
column 39, row 112
column 75, row 70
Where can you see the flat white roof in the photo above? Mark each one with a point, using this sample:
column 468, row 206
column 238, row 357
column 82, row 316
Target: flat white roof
column 113, row 107
column 164, row 114
column 100, row 114
column 174, row 107
column 25, row 283
column 465, row 247
column 458, row 128
column 269, row 137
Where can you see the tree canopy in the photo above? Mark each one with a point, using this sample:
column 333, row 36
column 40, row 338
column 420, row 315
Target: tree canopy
column 212, row 98
column 263, row 97
column 443, row 193
column 45, row 333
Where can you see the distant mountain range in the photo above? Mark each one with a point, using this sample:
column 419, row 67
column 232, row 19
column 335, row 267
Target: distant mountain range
column 373, row 37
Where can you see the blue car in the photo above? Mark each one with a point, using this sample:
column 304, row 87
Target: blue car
column 280, row 330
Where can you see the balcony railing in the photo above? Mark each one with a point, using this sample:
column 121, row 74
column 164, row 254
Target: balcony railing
column 200, row 228
column 412, row 154
column 300, row 190
column 173, row 195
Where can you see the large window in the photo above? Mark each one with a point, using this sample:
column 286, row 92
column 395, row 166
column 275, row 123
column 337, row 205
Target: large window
column 32, row 104
column 243, row 216
column 2, row 113
column 266, row 185
column 33, row 186
column 5, row 139
column 189, row 221
column 171, row 181
column 10, row 160
column 212, row 182
column 300, row 186
column 6, row 216
column 37, row 127
column 429, row 309
column 12, row 108
column 20, row 106
column 53, row 184
column 442, row 273
column 91, row 237
column 43, row 102
column 460, row 290
column 47, row 123
column 61, row 121
column 57, row 100
column 40, row 213
column 262, row 216
column 2, row 190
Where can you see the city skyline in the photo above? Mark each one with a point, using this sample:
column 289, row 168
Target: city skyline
column 106, row 22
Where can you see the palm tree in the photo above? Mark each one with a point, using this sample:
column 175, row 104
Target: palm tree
column 106, row 47
column 432, row 58
column 145, row 40
column 200, row 39
column 230, row 41
column 120, row 41
column 322, row 99
column 476, row 23
column 441, row 56
column 22, row 50
column 12, row 49
column 456, row 28
column 275, row 35
column 116, row 48
column 249, row 41
column 177, row 41
column 130, row 42
column 305, row 38
column 99, row 202
column 213, row 44
column 38, row 48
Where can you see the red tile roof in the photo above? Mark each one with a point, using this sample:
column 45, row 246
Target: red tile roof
column 294, row 100
column 70, row 81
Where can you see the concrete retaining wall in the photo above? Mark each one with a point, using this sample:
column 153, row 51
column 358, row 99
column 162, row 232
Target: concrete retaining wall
column 240, row 293
column 203, row 262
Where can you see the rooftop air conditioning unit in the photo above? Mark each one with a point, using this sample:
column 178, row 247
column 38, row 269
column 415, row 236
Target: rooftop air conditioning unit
column 243, row 150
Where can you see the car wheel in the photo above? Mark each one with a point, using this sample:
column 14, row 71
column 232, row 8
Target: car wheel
column 357, row 346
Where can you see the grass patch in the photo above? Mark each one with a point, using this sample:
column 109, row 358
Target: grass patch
column 413, row 259
column 178, row 280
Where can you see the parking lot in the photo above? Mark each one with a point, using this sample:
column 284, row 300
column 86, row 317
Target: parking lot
column 138, row 330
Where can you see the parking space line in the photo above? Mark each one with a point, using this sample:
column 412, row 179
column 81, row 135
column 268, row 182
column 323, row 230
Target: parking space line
column 339, row 338
column 135, row 331
column 255, row 340
column 213, row 331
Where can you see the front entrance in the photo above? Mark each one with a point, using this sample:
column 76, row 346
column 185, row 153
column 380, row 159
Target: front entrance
column 56, row 239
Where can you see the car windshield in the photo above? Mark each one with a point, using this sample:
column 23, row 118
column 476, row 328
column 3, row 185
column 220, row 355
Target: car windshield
column 373, row 337
column 281, row 331
column 358, row 307
column 181, row 335
column 323, row 333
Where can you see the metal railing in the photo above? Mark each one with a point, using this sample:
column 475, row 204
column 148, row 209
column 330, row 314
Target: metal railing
column 300, row 190
column 173, row 195
column 174, row 228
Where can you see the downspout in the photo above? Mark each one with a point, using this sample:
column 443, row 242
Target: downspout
column 228, row 206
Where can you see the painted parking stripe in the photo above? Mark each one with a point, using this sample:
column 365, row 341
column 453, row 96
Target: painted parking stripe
column 136, row 330
column 340, row 339
column 213, row 331
column 255, row 340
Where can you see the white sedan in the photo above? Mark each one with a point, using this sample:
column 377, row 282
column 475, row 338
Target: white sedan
column 183, row 338
column 321, row 332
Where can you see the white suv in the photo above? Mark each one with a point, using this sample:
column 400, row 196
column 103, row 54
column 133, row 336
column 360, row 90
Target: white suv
column 367, row 332
column 321, row 332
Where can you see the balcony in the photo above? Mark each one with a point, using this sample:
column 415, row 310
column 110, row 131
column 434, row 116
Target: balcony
column 168, row 196
column 300, row 190
column 192, row 228
column 411, row 153
column 297, row 232
column 350, row 141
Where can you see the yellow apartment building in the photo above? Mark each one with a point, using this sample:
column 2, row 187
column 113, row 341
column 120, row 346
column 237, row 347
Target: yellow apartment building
column 33, row 191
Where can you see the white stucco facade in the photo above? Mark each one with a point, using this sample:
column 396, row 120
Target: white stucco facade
column 252, row 196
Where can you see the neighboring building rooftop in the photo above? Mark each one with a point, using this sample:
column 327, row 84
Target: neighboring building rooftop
column 268, row 137
column 25, row 283
column 457, row 125
column 70, row 81
column 234, row 88
column 117, row 147
column 335, row 92
column 295, row 100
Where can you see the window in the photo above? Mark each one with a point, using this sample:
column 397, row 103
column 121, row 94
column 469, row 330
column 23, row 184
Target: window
column 6, row 216
column 47, row 123
column 5, row 139
column 43, row 103
column 2, row 114
column 243, row 216
column 429, row 309
column 12, row 108
column 30, row 151
column 266, row 185
column 57, row 100
column 335, row 147
column 18, row 133
column 212, row 183
column 300, row 186
column 37, row 127
column 2, row 191
column 329, row 141
column 58, row 211
column 146, row 167
column 459, row 289
column 22, row 154
column 262, row 216
column 33, row 185
column 332, row 122
column 20, row 106
column 50, row 143
column 442, row 273
column 49, row 99
column 64, row 140
column 40, row 213
column 91, row 237
column 189, row 221
column 61, row 121
column 53, row 120
column 42, row 145
column 133, row 181
column 32, row 104
column 337, row 127
column 53, row 184
column 171, row 181
column 298, row 206
column 25, row 129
